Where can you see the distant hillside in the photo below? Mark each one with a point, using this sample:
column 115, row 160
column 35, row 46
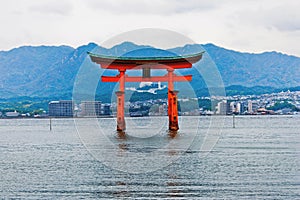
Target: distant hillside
column 50, row 72
column 266, row 69
column 22, row 67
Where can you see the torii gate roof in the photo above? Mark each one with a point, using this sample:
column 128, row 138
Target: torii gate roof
column 175, row 62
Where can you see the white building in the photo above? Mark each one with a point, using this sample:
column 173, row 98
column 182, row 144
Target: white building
column 222, row 108
column 90, row 108
column 252, row 106
column 12, row 114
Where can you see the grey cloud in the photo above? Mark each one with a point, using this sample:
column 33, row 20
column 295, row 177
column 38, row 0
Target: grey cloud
column 48, row 7
column 283, row 17
column 289, row 26
column 195, row 5
column 161, row 7
column 287, row 18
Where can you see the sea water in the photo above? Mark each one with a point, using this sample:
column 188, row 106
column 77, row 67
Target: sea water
column 207, row 159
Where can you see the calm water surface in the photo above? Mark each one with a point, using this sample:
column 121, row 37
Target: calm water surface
column 259, row 159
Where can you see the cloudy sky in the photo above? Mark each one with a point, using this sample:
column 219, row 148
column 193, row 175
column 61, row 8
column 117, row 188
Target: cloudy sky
column 243, row 25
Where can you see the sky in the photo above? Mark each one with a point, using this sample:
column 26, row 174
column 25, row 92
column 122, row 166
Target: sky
column 244, row 25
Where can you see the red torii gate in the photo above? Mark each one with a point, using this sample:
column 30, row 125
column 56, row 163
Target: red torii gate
column 146, row 64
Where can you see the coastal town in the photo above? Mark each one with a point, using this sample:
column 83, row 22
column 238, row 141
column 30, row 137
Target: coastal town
column 282, row 103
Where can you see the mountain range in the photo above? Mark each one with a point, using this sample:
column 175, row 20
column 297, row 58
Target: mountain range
column 50, row 71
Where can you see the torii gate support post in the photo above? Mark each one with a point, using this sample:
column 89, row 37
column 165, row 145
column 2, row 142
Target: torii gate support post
column 172, row 103
column 121, row 126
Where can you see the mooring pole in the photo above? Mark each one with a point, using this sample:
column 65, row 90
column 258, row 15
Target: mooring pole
column 50, row 123
column 233, row 121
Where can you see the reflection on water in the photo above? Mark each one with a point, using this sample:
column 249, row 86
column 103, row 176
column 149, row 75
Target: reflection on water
column 257, row 159
column 172, row 134
column 122, row 137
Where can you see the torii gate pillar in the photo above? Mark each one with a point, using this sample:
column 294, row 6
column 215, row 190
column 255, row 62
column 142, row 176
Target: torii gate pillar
column 172, row 103
column 121, row 126
column 172, row 110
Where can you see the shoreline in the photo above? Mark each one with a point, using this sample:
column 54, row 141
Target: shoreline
column 153, row 116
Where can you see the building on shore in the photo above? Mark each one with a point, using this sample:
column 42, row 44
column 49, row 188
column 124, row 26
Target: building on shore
column 252, row 106
column 90, row 108
column 12, row 114
column 232, row 107
column 63, row 108
column 240, row 108
column 223, row 108
column 105, row 110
